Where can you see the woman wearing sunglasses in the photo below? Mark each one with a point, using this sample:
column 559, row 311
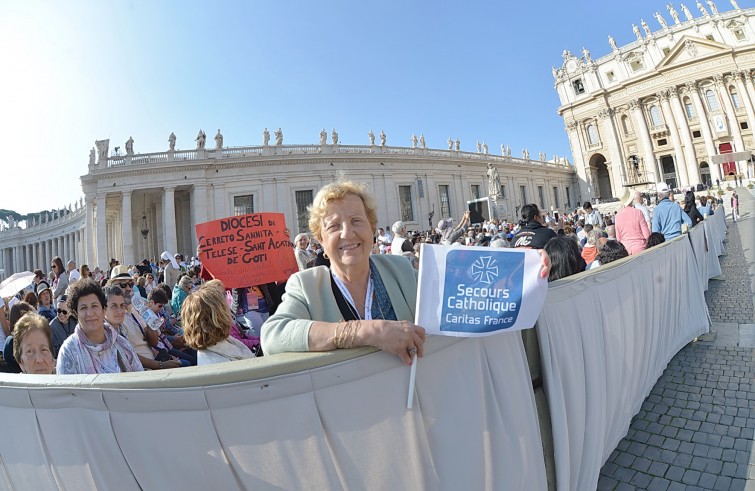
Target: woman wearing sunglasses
column 62, row 325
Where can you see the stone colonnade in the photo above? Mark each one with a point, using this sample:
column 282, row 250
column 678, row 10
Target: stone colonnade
column 38, row 254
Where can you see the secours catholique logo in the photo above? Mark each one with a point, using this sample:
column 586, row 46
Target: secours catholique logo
column 482, row 291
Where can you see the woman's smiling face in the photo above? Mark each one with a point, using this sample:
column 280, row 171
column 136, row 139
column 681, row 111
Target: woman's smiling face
column 346, row 233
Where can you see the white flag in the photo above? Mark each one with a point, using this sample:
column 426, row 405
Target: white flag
column 478, row 291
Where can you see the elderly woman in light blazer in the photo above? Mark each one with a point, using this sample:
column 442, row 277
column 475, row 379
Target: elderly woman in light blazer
column 361, row 299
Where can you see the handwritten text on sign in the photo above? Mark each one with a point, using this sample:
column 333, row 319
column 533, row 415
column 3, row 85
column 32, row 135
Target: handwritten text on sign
column 247, row 250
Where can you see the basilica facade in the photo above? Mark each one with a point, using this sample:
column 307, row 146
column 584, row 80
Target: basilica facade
column 668, row 106
column 137, row 205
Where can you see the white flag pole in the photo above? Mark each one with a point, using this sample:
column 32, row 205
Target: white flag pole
column 412, row 377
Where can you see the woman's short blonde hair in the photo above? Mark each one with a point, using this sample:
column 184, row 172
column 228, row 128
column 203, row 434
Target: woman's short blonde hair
column 141, row 281
column 337, row 191
column 26, row 324
column 206, row 318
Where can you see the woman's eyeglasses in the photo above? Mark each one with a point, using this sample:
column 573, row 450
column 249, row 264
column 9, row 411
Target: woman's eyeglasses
column 64, row 312
column 129, row 284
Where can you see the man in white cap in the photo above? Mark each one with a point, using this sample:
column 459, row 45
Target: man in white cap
column 400, row 243
column 171, row 269
column 668, row 216
column 451, row 234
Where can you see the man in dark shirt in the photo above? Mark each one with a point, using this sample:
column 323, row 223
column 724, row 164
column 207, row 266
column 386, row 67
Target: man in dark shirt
column 533, row 234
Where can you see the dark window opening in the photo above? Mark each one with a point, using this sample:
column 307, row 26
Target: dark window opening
column 696, row 134
column 662, row 142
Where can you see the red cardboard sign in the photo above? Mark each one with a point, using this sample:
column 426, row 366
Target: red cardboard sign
column 247, row 250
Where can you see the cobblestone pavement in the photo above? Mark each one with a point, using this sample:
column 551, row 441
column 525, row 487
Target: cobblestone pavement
column 695, row 429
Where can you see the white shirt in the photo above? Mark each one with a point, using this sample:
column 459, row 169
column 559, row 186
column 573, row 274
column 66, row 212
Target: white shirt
column 594, row 218
column 644, row 210
column 383, row 240
column 396, row 244
column 74, row 275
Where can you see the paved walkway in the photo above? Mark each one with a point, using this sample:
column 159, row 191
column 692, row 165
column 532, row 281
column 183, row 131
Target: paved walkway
column 695, row 429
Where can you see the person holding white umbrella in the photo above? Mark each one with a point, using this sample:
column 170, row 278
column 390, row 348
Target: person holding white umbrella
column 12, row 285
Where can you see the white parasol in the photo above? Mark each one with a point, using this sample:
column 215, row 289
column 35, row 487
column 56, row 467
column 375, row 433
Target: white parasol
column 15, row 282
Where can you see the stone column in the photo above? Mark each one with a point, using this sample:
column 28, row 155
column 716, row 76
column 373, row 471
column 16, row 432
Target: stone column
column 29, row 257
column 740, row 78
column 748, row 79
column 48, row 257
column 198, row 211
column 169, row 219
column 693, row 174
column 680, row 161
column 731, row 115
column 67, row 249
column 702, row 117
column 89, row 233
column 579, row 163
column 641, row 130
column 100, row 244
column 127, row 227
column 609, row 136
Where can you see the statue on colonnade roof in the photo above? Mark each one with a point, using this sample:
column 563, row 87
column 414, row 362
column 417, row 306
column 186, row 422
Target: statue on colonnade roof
column 422, row 141
column 637, row 33
column 674, row 14
column 458, row 145
column 91, row 157
column 612, row 43
column 371, row 136
column 686, row 12
column 660, row 19
column 414, row 140
column 382, row 138
column 735, row 5
column 200, row 139
column 586, row 54
column 702, row 9
column 219, row 140
column 172, row 141
column 279, row 137
column 334, row 136
column 713, row 7
column 450, row 143
column 130, row 146
column 265, row 137
column 645, row 27
column 323, row 137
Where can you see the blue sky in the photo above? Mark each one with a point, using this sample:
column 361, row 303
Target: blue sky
column 77, row 71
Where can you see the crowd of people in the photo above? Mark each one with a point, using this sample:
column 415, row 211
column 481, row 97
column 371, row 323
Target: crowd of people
column 356, row 286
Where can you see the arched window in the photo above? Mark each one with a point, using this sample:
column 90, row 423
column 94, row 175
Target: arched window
column 655, row 116
column 735, row 97
column 592, row 134
column 689, row 108
column 626, row 125
column 710, row 96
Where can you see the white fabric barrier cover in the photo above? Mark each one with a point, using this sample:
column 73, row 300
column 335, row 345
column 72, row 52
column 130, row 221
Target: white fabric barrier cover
column 715, row 227
column 706, row 247
column 339, row 421
column 605, row 337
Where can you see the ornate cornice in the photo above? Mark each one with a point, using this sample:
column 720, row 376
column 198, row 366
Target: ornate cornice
column 673, row 92
column 634, row 104
column 718, row 80
column 571, row 125
column 662, row 95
